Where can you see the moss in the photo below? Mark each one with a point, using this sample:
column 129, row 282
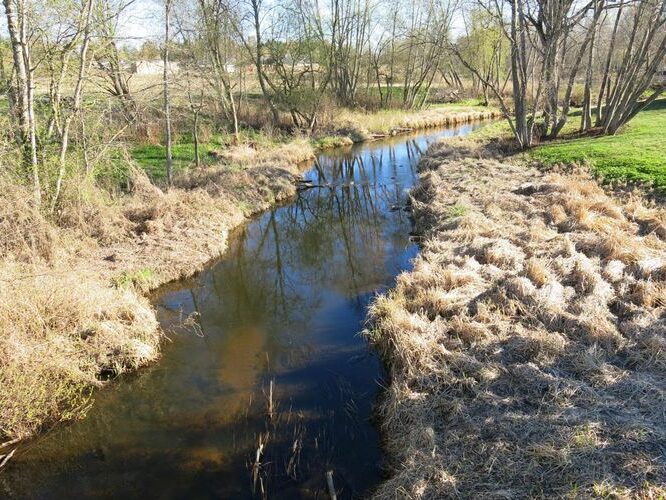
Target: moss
column 140, row 279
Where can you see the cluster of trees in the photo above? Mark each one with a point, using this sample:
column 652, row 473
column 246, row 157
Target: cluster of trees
column 530, row 56
column 613, row 48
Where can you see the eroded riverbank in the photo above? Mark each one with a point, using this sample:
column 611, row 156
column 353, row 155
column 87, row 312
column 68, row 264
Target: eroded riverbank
column 285, row 304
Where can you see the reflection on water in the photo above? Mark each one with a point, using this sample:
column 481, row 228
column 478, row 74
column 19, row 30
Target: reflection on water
column 282, row 308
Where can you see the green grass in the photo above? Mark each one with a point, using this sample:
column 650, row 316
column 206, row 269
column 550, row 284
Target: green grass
column 636, row 154
column 456, row 210
column 141, row 279
column 152, row 157
column 330, row 142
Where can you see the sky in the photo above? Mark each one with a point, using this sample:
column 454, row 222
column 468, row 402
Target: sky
column 142, row 21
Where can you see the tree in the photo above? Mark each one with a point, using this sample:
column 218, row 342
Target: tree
column 23, row 89
column 167, row 99
column 108, row 58
column 639, row 50
column 84, row 28
column 485, row 44
column 214, row 31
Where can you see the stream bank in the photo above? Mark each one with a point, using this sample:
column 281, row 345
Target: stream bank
column 74, row 311
column 525, row 350
column 281, row 309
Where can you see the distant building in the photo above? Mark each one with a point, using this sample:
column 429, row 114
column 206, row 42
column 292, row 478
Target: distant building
column 154, row 67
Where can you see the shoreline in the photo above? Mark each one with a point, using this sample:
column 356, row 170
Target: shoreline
column 95, row 288
column 507, row 346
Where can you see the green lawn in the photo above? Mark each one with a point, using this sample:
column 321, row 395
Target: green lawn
column 635, row 154
column 152, row 157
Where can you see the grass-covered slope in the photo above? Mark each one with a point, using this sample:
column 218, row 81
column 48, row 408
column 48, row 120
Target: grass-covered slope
column 636, row 154
column 527, row 348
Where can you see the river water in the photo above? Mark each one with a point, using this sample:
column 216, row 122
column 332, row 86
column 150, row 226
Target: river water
column 283, row 310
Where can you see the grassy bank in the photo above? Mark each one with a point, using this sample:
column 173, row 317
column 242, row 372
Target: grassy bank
column 347, row 127
column 526, row 349
column 73, row 311
column 636, row 155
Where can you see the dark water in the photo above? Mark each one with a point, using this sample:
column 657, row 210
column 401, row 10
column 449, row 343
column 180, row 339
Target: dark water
column 284, row 306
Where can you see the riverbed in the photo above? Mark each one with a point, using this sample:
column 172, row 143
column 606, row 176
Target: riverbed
column 265, row 384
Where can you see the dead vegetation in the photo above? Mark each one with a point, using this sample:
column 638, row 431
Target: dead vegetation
column 73, row 311
column 527, row 348
column 72, row 305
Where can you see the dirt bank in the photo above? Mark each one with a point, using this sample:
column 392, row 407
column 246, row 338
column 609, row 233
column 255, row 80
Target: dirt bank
column 73, row 311
column 527, row 348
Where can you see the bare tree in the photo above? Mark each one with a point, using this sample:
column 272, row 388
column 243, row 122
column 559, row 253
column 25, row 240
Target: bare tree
column 426, row 32
column 214, row 30
column 166, row 96
column 107, row 56
column 24, row 110
column 85, row 28
column 640, row 49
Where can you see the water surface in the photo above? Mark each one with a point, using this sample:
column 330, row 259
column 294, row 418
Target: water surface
column 282, row 308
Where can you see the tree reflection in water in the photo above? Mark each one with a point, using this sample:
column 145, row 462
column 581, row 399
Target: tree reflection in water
column 285, row 304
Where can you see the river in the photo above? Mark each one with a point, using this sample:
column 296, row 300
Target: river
column 263, row 350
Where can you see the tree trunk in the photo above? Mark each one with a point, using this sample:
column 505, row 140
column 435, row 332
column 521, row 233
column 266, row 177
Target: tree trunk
column 167, row 101
column 24, row 107
column 195, row 137
column 259, row 64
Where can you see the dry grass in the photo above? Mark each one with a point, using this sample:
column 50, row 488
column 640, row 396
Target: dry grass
column 72, row 309
column 527, row 348
column 68, row 332
column 360, row 127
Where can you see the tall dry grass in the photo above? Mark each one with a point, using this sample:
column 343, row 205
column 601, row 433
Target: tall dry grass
column 72, row 306
column 360, row 126
column 527, row 348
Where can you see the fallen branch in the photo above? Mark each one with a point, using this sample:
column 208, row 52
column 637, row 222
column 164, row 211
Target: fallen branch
column 6, row 458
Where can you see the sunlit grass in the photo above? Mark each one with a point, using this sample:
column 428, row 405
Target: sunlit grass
column 152, row 157
column 636, row 154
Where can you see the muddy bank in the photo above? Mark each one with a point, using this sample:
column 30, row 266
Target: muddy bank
column 73, row 310
column 526, row 349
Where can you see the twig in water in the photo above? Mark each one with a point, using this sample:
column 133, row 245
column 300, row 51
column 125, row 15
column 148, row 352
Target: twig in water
column 6, row 458
column 257, row 463
column 270, row 401
column 331, row 486
column 294, row 459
